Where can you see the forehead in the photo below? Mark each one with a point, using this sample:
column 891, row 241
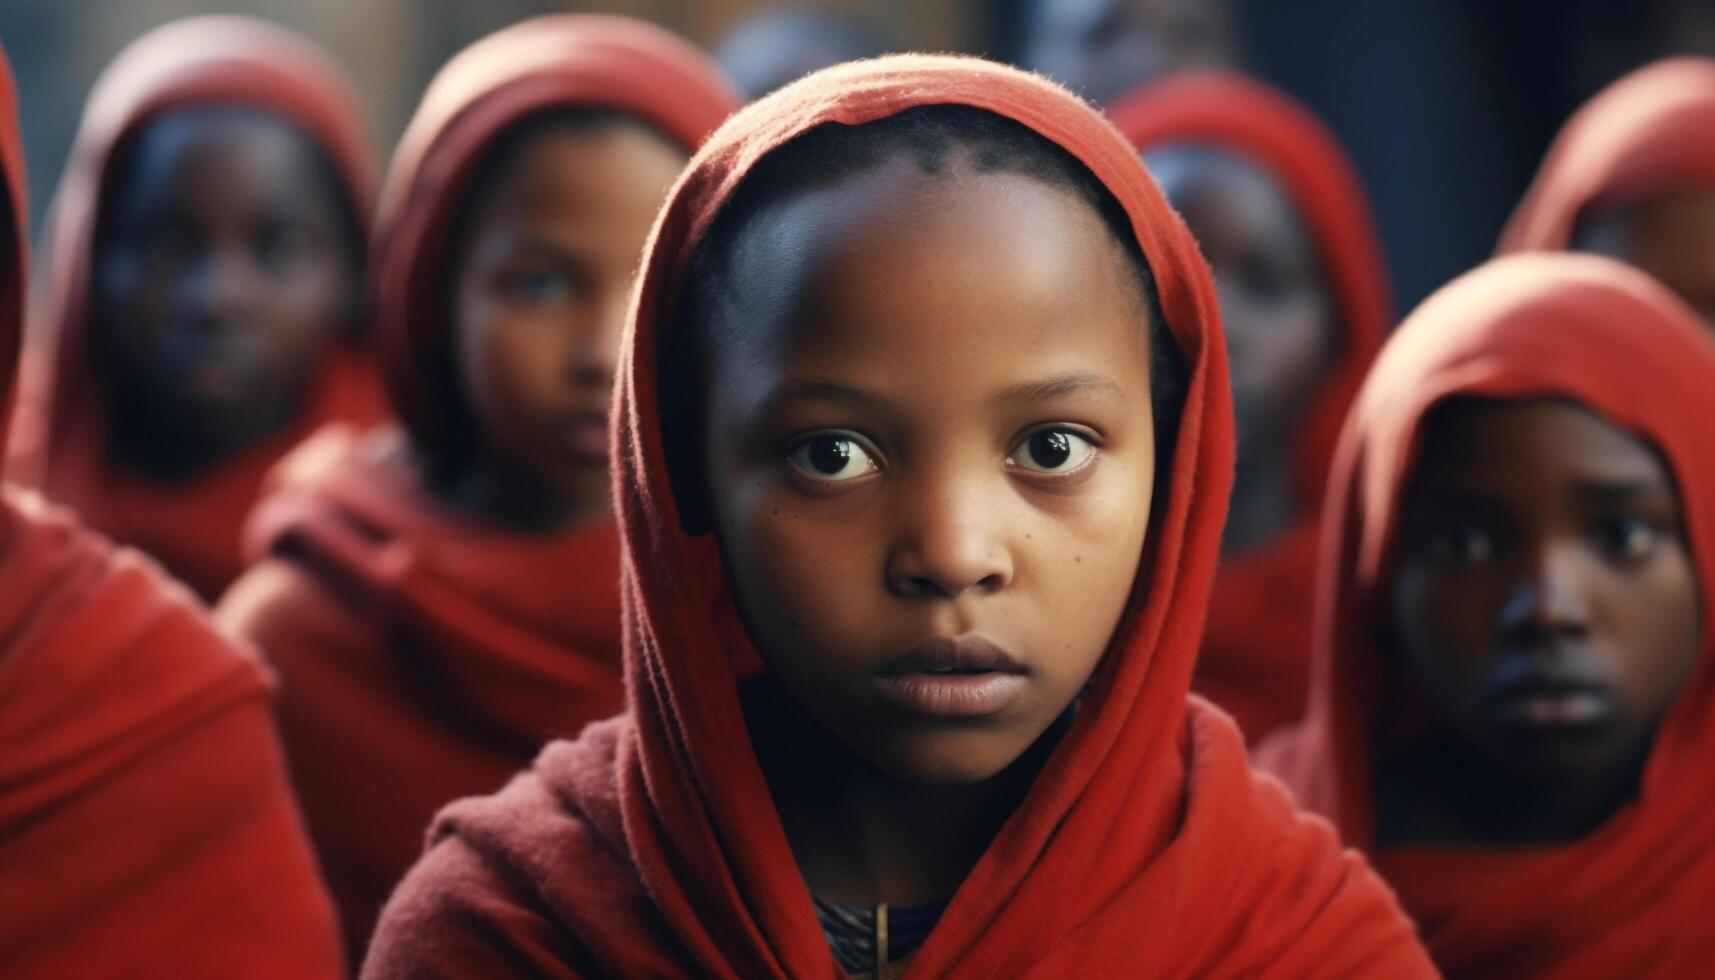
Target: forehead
column 1676, row 214
column 896, row 266
column 1200, row 179
column 1499, row 442
column 204, row 151
column 606, row 165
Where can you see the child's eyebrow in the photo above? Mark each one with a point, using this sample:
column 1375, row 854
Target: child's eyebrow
column 1059, row 385
column 1618, row 491
column 819, row 390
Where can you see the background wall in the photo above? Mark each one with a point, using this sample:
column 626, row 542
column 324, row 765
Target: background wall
column 1446, row 105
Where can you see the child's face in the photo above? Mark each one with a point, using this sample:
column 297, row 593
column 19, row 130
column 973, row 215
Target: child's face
column 542, row 287
column 1103, row 47
column 224, row 269
column 929, row 454
column 1275, row 309
column 1544, row 596
column 1672, row 237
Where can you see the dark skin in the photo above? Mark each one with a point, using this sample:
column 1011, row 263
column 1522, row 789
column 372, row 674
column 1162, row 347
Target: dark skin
column 225, row 267
column 1670, row 235
column 1546, row 608
column 541, row 292
column 1104, row 48
column 935, row 424
column 1278, row 316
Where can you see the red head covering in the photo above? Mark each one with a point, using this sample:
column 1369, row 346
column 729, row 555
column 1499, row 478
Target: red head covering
column 1256, row 653
column 1652, row 130
column 59, row 442
column 650, row 846
column 145, row 825
column 1635, row 894
column 427, row 654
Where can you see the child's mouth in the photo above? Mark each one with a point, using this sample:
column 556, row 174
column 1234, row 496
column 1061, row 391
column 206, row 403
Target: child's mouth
column 585, row 439
column 1562, row 700
column 952, row 677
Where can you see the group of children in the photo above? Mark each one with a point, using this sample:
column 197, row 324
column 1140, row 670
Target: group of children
column 784, row 540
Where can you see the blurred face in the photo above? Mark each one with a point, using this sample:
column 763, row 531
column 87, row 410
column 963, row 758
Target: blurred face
column 929, row 454
column 1102, row 48
column 224, row 268
column 1275, row 307
column 541, row 300
column 1671, row 236
column 1545, row 597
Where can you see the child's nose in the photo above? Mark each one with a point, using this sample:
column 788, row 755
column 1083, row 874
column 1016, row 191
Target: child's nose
column 1548, row 598
column 592, row 358
column 223, row 288
column 949, row 544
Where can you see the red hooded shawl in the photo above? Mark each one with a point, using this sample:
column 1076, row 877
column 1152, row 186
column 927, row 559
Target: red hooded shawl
column 650, row 846
column 1651, row 131
column 145, row 825
column 425, row 653
column 1633, row 898
column 59, row 437
column 1256, row 651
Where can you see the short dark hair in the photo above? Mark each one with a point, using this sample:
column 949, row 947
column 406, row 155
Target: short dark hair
column 937, row 138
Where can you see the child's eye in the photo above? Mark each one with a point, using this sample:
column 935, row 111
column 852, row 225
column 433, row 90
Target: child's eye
column 1053, row 452
column 1460, row 546
column 279, row 244
column 166, row 246
column 831, row 457
column 541, row 287
column 1627, row 538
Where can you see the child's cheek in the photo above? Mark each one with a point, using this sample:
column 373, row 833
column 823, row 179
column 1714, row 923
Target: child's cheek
column 808, row 567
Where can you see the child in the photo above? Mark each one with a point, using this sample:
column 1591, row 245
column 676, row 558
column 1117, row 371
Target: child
column 1511, row 710
column 1280, row 214
column 202, row 287
column 442, row 601
column 145, row 825
column 1104, row 48
column 911, row 608
column 1632, row 176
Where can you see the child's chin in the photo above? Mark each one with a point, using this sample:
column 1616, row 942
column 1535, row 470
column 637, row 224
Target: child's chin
column 948, row 758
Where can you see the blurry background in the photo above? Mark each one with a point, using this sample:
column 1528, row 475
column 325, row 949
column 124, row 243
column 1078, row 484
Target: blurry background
column 1446, row 105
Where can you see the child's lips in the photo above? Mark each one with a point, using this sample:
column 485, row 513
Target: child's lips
column 585, row 439
column 953, row 678
column 1548, row 708
column 1568, row 697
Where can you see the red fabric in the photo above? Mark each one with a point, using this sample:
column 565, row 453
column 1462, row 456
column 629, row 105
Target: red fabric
column 426, row 654
column 145, row 825
column 1256, row 652
column 1651, row 131
column 58, row 439
column 649, row 846
column 1634, row 897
